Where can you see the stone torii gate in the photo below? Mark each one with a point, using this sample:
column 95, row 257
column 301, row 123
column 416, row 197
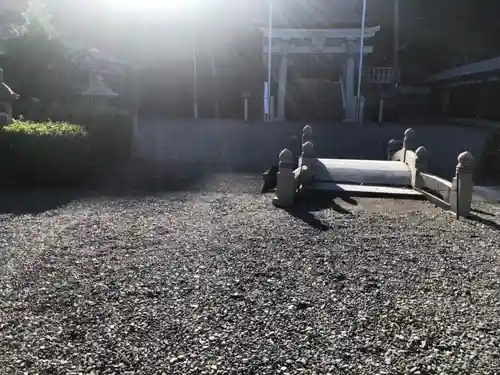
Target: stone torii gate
column 345, row 44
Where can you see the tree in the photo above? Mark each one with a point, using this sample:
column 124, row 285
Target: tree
column 447, row 33
column 37, row 64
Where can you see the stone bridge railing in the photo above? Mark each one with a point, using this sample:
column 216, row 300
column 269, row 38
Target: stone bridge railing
column 455, row 195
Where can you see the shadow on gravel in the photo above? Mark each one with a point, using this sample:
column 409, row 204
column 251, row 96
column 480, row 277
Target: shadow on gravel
column 307, row 217
column 130, row 180
column 315, row 202
column 489, row 223
column 349, row 200
column 21, row 202
column 135, row 179
column 140, row 177
column 481, row 212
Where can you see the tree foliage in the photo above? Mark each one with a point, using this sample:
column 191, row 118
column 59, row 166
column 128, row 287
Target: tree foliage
column 37, row 19
column 37, row 65
column 447, row 33
column 434, row 36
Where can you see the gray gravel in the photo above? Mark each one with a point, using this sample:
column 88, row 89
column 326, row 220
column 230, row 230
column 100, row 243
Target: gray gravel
column 220, row 282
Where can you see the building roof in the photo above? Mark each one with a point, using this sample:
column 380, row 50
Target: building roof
column 484, row 66
column 347, row 33
column 80, row 53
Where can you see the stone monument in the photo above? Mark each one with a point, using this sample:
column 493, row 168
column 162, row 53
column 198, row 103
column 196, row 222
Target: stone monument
column 7, row 97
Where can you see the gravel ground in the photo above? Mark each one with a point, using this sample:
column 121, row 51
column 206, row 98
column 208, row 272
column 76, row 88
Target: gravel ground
column 217, row 281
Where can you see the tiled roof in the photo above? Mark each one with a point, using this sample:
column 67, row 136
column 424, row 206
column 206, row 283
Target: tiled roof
column 483, row 66
column 80, row 53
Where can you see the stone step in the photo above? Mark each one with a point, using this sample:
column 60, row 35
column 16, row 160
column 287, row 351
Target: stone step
column 363, row 189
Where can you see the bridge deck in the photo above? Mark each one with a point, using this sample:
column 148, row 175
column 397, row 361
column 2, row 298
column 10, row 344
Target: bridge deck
column 366, row 172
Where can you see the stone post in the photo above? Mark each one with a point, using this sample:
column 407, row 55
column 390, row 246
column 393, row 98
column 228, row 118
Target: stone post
column 308, row 150
column 306, row 168
column 422, row 158
column 408, row 141
column 7, row 96
column 307, row 133
column 308, row 153
column 5, row 119
column 393, row 147
column 462, row 185
column 285, row 185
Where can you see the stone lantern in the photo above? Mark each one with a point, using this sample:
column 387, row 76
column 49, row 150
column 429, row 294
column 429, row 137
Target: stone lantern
column 97, row 92
column 7, row 96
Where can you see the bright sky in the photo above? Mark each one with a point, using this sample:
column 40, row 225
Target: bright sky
column 158, row 5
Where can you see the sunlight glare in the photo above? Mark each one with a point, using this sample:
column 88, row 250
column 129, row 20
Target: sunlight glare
column 174, row 6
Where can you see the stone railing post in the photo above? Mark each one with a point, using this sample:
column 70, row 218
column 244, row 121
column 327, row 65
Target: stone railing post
column 393, row 146
column 285, row 184
column 462, row 185
column 307, row 134
column 408, row 141
column 421, row 161
column 308, row 154
column 308, row 150
column 305, row 172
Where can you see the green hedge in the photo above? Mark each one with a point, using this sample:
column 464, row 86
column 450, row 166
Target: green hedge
column 111, row 129
column 47, row 128
column 44, row 154
column 77, row 145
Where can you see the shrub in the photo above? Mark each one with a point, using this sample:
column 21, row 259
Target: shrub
column 48, row 128
column 110, row 129
column 44, row 154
